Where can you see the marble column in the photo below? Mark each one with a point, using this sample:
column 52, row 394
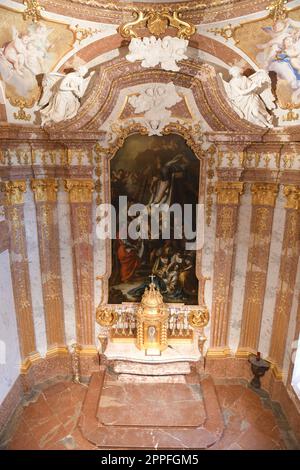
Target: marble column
column 287, row 278
column 263, row 202
column 81, row 200
column 45, row 193
column 228, row 195
column 14, row 212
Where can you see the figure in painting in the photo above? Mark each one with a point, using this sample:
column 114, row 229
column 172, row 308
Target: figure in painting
column 61, row 95
column 251, row 96
column 25, row 56
column 281, row 54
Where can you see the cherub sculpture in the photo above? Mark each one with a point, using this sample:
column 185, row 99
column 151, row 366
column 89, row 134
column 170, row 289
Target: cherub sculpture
column 251, row 97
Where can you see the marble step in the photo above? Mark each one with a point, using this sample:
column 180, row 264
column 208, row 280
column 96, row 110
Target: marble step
column 146, row 379
column 138, row 368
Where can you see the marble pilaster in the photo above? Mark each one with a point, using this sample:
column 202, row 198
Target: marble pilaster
column 263, row 202
column 14, row 209
column 228, row 195
column 45, row 192
column 81, row 200
column 287, row 277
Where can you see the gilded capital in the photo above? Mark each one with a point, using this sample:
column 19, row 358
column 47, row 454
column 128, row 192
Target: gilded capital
column 45, row 190
column 14, row 191
column 264, row 194
column 228, row 192
column 80, row 190
column 292, row 194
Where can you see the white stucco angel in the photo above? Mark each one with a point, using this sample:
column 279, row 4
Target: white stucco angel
column 61, row 95
column 251, row 97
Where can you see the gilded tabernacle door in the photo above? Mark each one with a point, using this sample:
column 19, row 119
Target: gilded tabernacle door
column 155, row 192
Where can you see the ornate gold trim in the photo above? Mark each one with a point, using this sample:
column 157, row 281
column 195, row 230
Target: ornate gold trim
column 80, row 33
column 264, row 194
column 199, row 318
column 210, row 187
column 80, row 190
column 88, row 351
column 33, row 10
column 45, row 190
column 218, row 353
column 180, row 6
column 292, row 194
column 227, row 32
column 157, row 23
column 277, row 10
column 57, row 351
column 276, row 371
column 27, row 363
column 106, row 316
column 228, row 192
column 14, row 191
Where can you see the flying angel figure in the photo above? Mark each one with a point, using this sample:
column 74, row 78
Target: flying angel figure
column 62, row 94
column 250, row 97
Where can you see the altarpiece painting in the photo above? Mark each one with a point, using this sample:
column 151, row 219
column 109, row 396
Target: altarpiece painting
column 155, row 171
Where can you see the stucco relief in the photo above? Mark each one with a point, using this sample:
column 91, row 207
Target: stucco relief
column 154, row 103
column 151, row 52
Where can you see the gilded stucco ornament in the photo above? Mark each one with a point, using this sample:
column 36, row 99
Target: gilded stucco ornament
column 157, row 23
column 106, row 317
column 277, row 10
column 198, row 318
column 33, row 10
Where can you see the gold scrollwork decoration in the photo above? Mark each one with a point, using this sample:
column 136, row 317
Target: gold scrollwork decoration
column 227, row 32
column 106, row 317
column 14, row 191
column 198, row 318
column 33, row 10
column 81, row 33
column 21, row 103
column 157, row 23
column 277, row 10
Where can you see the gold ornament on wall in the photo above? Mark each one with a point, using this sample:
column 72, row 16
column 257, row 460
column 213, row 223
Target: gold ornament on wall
column 292, row 194
column 199, row 318
column 21, row 115
column 210, row 186
column 229, row 192
column 80, row 190
column 106, row 317
column 277, row 10
column 45, row 190
column 81, row 33
column 157, row 23
column 264, row 194
column 14, row 191
column 33, row 10
column 227, row 32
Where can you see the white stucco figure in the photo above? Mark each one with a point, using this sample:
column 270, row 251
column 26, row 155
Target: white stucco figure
column 152, row 52
column 251, row 97
column 154, row 102
column 61, row 95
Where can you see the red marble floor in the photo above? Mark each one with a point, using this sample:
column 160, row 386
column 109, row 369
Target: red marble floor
column 51, row 421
